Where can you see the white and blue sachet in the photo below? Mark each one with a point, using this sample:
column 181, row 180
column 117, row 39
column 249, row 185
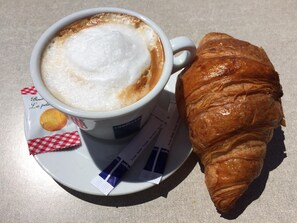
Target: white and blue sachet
column 154, row 168
column 111, row 176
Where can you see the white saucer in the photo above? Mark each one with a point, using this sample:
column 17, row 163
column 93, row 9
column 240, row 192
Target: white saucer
column 77, row 167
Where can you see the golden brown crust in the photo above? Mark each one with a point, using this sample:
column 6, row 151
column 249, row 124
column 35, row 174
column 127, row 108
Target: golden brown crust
column 230, row 99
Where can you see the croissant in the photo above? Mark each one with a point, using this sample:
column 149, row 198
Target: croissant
column 230, row 100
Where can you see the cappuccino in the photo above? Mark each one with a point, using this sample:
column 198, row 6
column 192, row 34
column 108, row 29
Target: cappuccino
column 102, row 63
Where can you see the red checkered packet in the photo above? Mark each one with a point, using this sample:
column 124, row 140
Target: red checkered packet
column 46, row 128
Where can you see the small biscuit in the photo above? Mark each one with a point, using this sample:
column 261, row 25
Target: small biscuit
column 53, row 120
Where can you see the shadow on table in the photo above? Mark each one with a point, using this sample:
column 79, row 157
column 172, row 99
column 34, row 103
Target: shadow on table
column 274, row 157
column 276, row 153
column 152, row 193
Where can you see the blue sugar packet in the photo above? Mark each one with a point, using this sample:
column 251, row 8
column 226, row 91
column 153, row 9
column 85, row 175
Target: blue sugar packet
column 156, row 163
column 111, row 176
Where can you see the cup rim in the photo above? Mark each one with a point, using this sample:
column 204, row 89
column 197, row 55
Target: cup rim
column 53, row 29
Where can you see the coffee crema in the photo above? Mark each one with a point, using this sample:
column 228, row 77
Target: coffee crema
column 103, row 63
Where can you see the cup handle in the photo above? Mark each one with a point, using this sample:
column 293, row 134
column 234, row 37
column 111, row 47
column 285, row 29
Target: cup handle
column 188, row 47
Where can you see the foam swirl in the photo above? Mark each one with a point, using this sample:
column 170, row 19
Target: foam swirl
column 90, row 68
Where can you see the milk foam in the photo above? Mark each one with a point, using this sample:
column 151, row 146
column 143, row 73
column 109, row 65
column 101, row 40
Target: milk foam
column 90, row 68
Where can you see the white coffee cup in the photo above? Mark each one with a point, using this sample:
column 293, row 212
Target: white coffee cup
column 125, row 121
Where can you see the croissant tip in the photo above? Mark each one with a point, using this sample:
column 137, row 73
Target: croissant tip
column 225, row 200
column 224, row 211
column 225, row 208
column 283, row 122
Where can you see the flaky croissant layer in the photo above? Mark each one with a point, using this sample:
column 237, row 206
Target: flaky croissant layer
column 230, row 100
